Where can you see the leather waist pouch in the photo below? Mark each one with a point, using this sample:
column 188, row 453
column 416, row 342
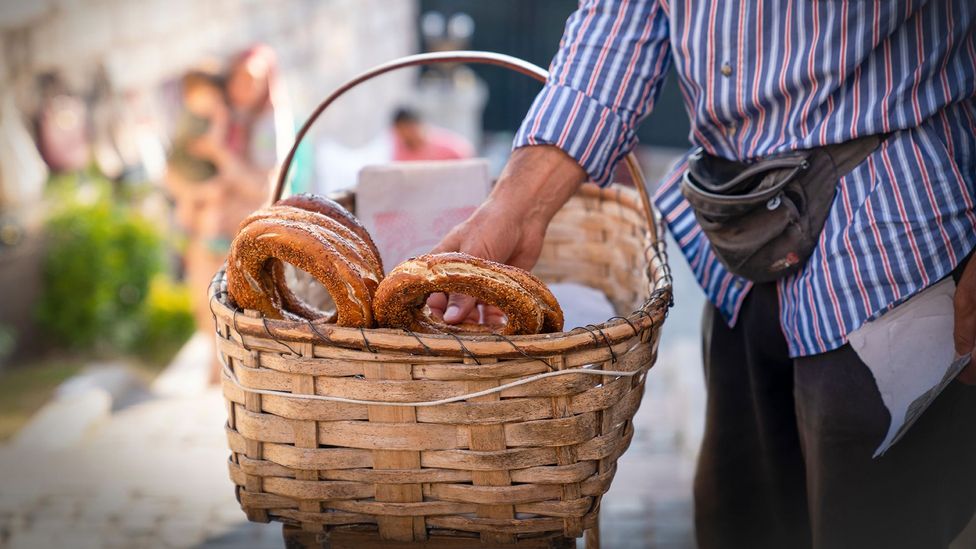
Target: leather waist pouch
column 764, row 218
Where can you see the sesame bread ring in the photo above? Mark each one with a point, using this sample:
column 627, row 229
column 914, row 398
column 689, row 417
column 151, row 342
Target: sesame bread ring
column 363, row 248
column 331, row 208
column 292, row 305
column 304, row 246
column 344, row 240
column 551, row 311
column 529, row 305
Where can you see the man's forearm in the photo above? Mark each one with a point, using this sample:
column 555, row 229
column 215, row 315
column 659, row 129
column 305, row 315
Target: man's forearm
column 537, row 181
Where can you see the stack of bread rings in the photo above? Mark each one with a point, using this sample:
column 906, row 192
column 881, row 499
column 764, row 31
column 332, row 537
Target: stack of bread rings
column 316, row 235
column 319, row 236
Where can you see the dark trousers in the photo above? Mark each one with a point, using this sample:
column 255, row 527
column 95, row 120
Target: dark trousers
column 786, row 457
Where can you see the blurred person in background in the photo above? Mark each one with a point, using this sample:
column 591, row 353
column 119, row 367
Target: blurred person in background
column 236, row 157
column 413, row 139
column 192, row 178
column 61, row 126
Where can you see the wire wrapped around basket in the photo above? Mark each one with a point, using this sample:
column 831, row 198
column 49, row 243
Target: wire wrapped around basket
column 506, row 439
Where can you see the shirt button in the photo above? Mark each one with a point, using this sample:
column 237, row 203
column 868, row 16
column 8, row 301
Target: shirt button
column 726, row 69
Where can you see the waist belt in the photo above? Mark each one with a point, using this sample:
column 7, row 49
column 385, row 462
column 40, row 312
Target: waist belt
column 763, row 218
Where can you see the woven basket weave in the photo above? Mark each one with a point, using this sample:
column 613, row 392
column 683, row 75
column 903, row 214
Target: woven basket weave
column 416, row 435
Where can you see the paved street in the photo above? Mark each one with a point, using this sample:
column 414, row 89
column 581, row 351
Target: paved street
column 152, row 474
column 649, row 503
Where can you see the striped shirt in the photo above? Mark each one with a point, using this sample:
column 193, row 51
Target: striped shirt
column 759, row 78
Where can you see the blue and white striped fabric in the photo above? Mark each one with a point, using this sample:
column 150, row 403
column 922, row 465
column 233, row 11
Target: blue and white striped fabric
column 760, row 78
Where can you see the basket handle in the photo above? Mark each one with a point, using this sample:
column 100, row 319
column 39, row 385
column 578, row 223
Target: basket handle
column 471, row 57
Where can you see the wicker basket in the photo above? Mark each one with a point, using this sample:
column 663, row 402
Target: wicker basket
column 414, row 436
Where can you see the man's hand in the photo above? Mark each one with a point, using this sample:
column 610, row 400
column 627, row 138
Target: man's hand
column 965, row 319
column 495, row 231
column 511, row 224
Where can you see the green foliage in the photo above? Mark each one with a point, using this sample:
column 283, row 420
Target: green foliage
column 100, row 259
column 167, row 320
column 8, row 341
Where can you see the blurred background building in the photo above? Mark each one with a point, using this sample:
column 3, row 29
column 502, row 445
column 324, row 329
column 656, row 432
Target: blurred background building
column 90, row 91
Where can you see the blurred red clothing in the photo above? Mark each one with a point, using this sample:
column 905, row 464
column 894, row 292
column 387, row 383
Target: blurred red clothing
column 438, row 144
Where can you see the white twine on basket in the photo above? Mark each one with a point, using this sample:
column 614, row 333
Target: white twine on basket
column 232, row 377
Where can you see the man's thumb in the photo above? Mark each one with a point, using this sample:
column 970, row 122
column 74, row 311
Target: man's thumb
column 450, row 243
column 459, row 306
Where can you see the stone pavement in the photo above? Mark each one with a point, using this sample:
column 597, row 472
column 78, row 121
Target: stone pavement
column 153, row 474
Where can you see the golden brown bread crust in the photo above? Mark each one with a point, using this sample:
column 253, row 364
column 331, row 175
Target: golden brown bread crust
column 305, row 246
column 344, row 240
column 527, row 302
column 292, row 213
column 332, row 209
column 551, row 311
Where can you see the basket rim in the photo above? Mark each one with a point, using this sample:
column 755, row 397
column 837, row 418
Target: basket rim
column 650, row 315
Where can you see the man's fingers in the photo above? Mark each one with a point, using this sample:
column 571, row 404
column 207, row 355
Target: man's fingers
column 965, row 338
column 964, row 332
column 451, row 243
column 493, row 316
column 437, row 304
column 964, row 341
column 527, row 254
column 968, row 375
column 459, row 307
column 964, row 307
column 524, row 260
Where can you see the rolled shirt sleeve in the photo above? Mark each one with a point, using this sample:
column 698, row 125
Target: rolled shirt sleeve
column 602, row 82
